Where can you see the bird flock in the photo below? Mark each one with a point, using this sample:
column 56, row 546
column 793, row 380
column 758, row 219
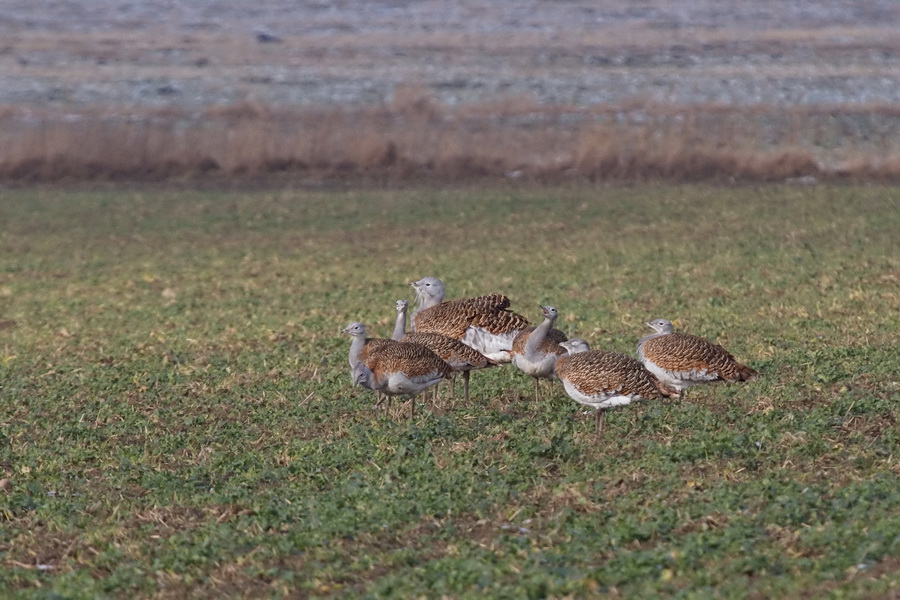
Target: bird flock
column 462, row 335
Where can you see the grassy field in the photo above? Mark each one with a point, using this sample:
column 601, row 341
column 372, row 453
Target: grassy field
column 176, row 415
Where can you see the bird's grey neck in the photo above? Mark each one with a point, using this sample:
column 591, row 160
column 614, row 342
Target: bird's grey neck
column 537, row 336
column 356, row 347
column 652, row 336
column 425, row 301
column 399, row 326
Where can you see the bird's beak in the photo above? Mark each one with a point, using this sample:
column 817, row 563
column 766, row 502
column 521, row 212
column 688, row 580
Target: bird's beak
column 649, row 325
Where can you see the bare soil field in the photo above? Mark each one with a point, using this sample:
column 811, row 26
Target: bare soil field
column 597, row 89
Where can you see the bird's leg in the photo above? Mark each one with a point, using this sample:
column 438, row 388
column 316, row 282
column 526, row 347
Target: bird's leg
column 412, row 407
column 600, row 417
column 465, row 377
column 386, row 400
column 453, row 386
column 537, row 389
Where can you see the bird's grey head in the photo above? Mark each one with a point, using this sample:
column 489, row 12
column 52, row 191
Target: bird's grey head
column 402, row 305
column 661, row 326
column 550, row 312
column 428, row 287
column 355, row 328
column 575, row 345
column 362, row 376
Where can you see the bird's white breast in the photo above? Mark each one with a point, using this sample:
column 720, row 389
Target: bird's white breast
column 678, row 379
column 400, row 383
column 598, row 400
column 495, row 346
column 536, row 368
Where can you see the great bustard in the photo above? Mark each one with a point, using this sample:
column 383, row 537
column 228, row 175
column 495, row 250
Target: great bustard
column 360, row 348
column 535, row 349
column 460, row 357
column 397, row 368
column 683, row 360
column 602, row 379
column 483, row 322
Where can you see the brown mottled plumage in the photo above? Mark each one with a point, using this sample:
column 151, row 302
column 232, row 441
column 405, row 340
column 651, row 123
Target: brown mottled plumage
column 412, row 359
column 373, row 344
column 683, row 360
column 459, row 356
column 551, row 343
column 603, row 379
column 453, row 317
column 483, row 323
column 452, row 351
column 377, row 364
column 602, row 373
column 401, row 368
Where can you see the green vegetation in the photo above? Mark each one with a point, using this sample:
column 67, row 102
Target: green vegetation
column 176, row 416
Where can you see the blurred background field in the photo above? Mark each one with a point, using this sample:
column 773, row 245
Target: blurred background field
column 440, row 90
